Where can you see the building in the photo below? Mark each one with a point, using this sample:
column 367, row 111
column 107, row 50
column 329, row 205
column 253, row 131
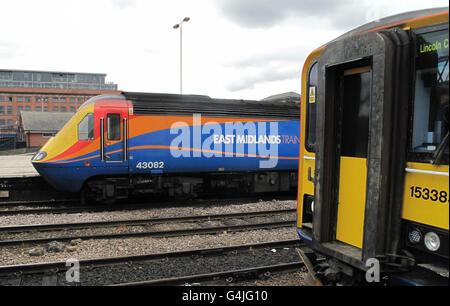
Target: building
column 46, row 91
column 35, row 128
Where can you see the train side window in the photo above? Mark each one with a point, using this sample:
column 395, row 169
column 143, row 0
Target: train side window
column 113, row 121
column 86, row 128
column 430, row 117
column 311, row 108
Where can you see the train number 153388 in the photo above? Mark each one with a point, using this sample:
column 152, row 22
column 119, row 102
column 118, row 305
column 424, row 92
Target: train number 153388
column 150, row 165
column 429, row 194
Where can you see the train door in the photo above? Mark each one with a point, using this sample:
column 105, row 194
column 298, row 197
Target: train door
column 114, row 136
column 362, row 84
column 353, row 135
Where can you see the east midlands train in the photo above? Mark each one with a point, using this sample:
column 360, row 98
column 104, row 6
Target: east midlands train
column 179, row 145
column 373, row 194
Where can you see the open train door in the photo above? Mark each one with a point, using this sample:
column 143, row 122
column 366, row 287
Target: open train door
column 360, row 152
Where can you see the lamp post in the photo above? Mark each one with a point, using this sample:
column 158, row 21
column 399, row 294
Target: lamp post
column 180, row 25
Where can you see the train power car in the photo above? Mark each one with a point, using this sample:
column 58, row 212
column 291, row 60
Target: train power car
column 178, row 145
column 373, row 195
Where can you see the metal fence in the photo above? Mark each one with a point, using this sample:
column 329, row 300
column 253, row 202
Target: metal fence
column 8, row 139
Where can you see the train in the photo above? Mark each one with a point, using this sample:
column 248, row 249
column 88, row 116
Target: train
column 136, row 143
column 373, row 193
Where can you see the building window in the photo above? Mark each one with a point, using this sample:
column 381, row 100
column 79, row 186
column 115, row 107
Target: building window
column 2, row 98
column 63, row 109
column 72, row 109
column 45, row 99
column 10, row 123
column 2, row 123
column 9, row 99
column 2, row 110
column 38, row 99
column 62, row 100
column 48, row 135
column 19, row 99
column 45, row 108
column 27, row 99
column 72, row 100
column 27, row 108
column 80, row 99
column 9, row 110
column 19, row 109
column 55, row 109
column 55, row 100
column 37, row 108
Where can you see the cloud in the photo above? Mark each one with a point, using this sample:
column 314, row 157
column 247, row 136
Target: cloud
column 269, row 13
column 121, row 4
column 289, row 55
column 271, row 65
column 9, row 50
column 262, row 75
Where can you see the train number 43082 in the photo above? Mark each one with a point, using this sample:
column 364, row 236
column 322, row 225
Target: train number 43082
column 150, row 165
column 429, row 194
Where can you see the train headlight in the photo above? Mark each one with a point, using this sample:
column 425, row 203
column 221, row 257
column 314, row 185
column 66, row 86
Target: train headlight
column 415, row 236
column 39, row 156
column 312, row 206
column 432, row 241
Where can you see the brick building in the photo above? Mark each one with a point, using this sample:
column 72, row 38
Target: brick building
column 46, row 91
column 38, row 127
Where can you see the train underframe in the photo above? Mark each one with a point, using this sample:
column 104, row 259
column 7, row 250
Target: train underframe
column 111, row 189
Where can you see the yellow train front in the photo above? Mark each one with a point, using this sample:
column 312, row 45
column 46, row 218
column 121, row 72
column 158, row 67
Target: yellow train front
column 373, row 192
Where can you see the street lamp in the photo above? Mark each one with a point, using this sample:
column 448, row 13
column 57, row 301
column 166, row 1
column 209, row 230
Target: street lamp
column 180, row 25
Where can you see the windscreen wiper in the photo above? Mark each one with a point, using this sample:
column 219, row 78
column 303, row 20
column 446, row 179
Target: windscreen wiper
column 437, row 156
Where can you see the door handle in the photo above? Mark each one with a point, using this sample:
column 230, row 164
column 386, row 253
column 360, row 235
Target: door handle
column 310, row 178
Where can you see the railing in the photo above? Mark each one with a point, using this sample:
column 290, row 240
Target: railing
column 8, row 137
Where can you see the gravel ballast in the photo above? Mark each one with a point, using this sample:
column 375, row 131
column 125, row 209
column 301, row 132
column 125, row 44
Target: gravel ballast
column 199, row 208
column 174, row 267
column 96, row 248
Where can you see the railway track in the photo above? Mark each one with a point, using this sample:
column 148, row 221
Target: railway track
column 220, row 278
column 43, row 207
column 33, row 203
column 69, row 209
column 172, row 268
column 197, row 224
column 59, row 206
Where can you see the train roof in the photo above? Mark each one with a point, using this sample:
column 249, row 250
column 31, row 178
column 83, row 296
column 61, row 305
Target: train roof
column 394, row 20
column 175, row 104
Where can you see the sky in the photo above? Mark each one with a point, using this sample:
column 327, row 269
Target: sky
column 237, row 49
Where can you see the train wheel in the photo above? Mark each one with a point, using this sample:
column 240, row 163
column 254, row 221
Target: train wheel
column 86, row 197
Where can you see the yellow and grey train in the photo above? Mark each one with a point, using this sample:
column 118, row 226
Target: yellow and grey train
column 373, row 196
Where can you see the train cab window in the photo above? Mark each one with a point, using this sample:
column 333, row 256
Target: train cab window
column 430, row 111
column 86, row 128
column 113, row 121
column 311, row 108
